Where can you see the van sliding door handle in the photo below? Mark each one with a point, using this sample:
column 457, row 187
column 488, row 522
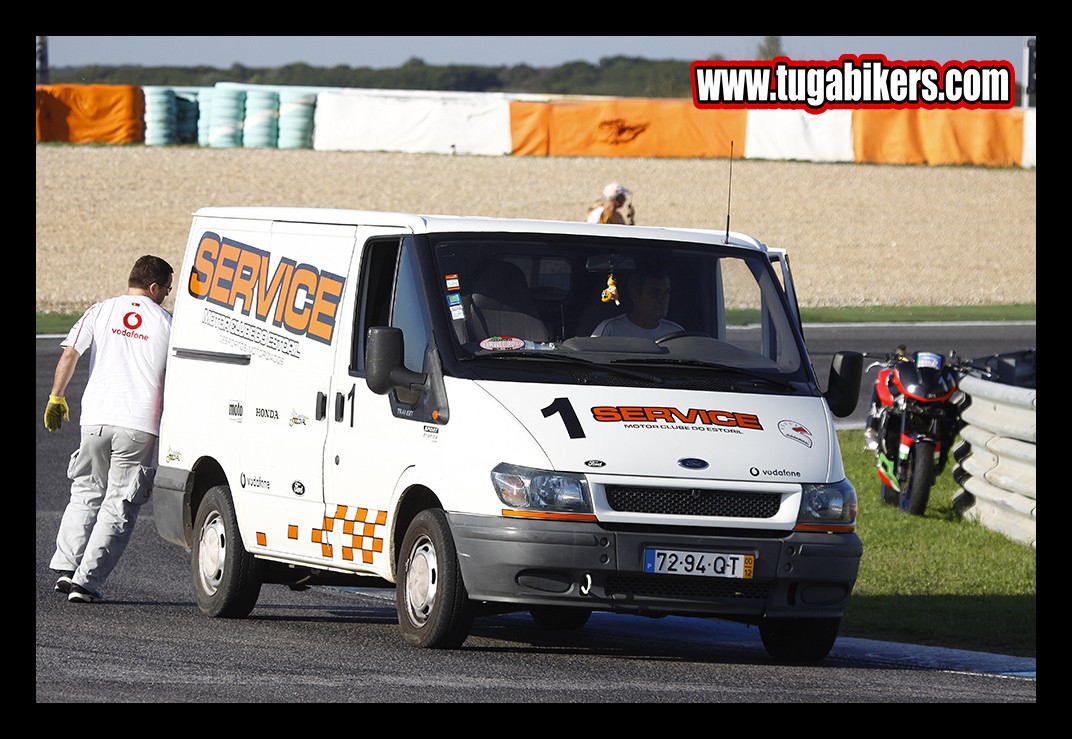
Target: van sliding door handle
column 321, row 406
column 340, row 406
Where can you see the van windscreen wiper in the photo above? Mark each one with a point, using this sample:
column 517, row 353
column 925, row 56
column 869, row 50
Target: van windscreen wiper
column 715, row 366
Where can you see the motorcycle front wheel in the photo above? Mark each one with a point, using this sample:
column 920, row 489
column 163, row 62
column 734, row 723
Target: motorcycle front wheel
column 916, row 487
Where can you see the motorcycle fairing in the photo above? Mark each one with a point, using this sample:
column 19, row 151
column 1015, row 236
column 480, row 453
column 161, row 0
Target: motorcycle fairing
column 882, row 387
column 886, row 472
column 914, row 378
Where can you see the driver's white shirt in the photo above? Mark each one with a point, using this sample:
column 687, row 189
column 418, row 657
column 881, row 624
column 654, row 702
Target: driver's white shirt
column 622, row 326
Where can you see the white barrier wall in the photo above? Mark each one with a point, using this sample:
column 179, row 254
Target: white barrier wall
column 799, row 135
column 413, row 122
column 996, row 459
column 1029, row 138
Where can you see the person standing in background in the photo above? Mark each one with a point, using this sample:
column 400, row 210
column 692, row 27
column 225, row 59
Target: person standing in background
column 613, row 208
column 113, row 469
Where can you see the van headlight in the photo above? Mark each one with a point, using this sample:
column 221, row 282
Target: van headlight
column 828, row 503
column 541, row 490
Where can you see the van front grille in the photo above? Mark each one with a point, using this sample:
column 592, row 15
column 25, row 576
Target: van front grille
column 693, row 502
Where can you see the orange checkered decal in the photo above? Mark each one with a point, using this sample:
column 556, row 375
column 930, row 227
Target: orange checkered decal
column 357, row 532
column 360, row 530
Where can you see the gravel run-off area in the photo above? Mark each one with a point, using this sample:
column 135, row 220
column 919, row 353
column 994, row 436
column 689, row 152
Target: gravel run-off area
column 857, row 235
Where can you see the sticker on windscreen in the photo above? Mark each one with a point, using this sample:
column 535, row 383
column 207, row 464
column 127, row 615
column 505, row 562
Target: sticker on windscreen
column 496, row 343
column 454, row 302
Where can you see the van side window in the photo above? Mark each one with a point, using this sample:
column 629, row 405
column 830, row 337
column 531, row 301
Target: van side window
column 410, row 311
column 374, row 300
column 391, row 296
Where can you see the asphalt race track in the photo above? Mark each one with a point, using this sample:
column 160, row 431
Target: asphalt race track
column 149, row 643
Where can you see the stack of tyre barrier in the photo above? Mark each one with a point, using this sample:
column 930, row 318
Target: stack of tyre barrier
column 297, row 109
column 226, row 117
column 187, row 113
column 260, row 126
column 204, row 120
column 161, row 116
column 995, row 459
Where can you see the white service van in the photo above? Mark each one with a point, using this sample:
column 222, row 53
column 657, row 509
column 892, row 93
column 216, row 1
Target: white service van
column 418, row 401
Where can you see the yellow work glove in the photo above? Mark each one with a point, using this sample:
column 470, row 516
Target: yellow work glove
column 56, row 412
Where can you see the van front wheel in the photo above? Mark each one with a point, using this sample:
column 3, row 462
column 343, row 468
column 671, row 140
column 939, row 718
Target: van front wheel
column 433, row 606
column 225, row 576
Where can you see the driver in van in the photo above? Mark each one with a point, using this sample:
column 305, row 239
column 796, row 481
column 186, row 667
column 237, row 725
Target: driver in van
column 648, row 291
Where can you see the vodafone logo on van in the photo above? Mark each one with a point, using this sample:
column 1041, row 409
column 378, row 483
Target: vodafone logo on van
column 296, row 296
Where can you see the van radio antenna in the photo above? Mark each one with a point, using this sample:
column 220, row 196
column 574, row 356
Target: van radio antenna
column 729, row 194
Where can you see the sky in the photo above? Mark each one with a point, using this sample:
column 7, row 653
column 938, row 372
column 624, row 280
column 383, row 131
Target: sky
column 379, row 52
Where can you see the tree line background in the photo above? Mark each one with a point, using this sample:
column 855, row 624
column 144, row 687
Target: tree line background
column 615, row 76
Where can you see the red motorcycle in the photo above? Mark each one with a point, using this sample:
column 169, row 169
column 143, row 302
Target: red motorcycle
column 914, row 418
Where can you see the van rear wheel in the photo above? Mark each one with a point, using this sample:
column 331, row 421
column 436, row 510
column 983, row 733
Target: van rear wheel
column 225, row 576
column 433, row 606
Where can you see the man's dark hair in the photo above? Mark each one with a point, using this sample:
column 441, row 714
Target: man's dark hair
column 147, row 270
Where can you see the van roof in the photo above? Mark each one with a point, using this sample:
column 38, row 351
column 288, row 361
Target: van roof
column 420, row 223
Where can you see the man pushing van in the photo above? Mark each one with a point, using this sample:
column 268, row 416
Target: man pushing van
column 112, row 470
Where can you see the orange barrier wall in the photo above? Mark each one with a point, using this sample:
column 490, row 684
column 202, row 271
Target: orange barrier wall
column 625, row 127
column 956, row 136
column 82, row 114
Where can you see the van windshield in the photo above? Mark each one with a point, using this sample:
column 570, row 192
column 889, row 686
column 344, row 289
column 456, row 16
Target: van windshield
column 652, row 307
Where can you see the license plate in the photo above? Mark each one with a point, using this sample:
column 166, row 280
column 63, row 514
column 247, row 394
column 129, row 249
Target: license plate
column 701, row 564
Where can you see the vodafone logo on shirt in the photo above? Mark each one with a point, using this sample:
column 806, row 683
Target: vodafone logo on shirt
column 132, row 322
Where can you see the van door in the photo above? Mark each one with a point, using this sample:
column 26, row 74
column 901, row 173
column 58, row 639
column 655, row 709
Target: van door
column 369, row 446
column 285, row 423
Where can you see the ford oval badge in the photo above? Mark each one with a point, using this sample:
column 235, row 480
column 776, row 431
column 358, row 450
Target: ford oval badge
column 595, row 463
column 691, row 463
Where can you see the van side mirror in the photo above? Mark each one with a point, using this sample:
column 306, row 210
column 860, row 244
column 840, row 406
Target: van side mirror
column 843, row 388
column 384, row 362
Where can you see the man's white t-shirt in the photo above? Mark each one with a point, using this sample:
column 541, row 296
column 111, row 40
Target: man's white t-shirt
column 622, row 326
column 128, row 337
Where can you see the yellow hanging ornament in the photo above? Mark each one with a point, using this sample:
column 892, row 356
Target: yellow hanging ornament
column 611, row 293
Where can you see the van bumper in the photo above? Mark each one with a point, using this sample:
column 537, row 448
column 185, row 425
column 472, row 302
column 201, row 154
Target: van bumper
column 796, row 574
